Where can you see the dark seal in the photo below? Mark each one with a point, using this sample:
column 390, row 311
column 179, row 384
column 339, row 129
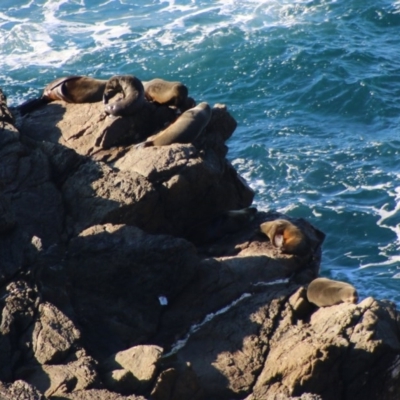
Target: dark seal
column 131, row 91
column 71, row 89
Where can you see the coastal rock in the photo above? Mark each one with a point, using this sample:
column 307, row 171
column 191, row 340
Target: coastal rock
column 97, row 258
column 19, row 390
column 340, row 352
column 88, row 130
column 120, row 381
column 177, row 383
column 261, row 347
column 56, row 380
column 53, row 336
column 133, row 369
column 96, row 394
column 115, row 276
column 25, row 185
column 152, row 188
column 19, row 302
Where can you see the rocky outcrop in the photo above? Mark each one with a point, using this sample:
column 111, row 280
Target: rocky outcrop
column 118, row 282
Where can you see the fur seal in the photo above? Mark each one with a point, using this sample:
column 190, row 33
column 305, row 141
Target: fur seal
column 168, row 93
column 132, row 91
column 185, row 129
column 325, row 292
column 285, row 236
column 71, row 89
column 75, row 89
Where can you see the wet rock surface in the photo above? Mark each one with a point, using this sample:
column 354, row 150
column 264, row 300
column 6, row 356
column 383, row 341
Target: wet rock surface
column 118, row 282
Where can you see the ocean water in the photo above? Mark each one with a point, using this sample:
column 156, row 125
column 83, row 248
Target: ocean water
column 314, row 86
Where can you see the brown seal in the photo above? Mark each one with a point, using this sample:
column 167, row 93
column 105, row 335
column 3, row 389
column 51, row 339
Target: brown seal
column 185, row 129
column 71, row 89
column 75, row 89
column 132, row 91
column 325, row 292
column 168, row 93
column 285, row 236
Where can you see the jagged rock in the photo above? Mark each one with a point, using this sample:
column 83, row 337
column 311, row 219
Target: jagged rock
column 155, row 189
column 341, row 352
column 54, row 335
column 56, row 380
column 87, row 129
column 96, row 394
column 139, row 361
column 229, row 351
column 115, row 276
column 97, row 194
column 177, row 383
column 19, row 390
column 261, row 348
column 19, row 304
column 120, row 381
column 5, row 115
column 25, row 186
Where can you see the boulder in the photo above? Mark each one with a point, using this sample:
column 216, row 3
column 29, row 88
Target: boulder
column 19, row 390
column 53, row 336
column 132, row 370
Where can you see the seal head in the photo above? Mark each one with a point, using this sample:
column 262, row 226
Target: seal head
column 286, row 236
column 132, row 91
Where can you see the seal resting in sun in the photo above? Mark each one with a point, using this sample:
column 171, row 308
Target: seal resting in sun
column 286, row 236
column 168, row 93
column 132, row 91
column 185, row 129
column 71, row 89
column 75, row 89
column 324, row 292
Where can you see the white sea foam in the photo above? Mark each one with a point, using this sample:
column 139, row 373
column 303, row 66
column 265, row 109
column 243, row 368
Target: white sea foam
column 53, row 39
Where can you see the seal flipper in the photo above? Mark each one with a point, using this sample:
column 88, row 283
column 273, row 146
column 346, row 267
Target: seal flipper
column 32, row 104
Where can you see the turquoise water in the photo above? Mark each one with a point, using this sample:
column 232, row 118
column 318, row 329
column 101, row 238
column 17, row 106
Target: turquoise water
column 314, row 86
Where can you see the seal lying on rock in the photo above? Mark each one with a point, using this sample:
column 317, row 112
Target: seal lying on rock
column 71, row 89
column 185, row 129
column 325, row 292
column 168, row 93
column 285, row 236
column 75, row 89
column 132, row 91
